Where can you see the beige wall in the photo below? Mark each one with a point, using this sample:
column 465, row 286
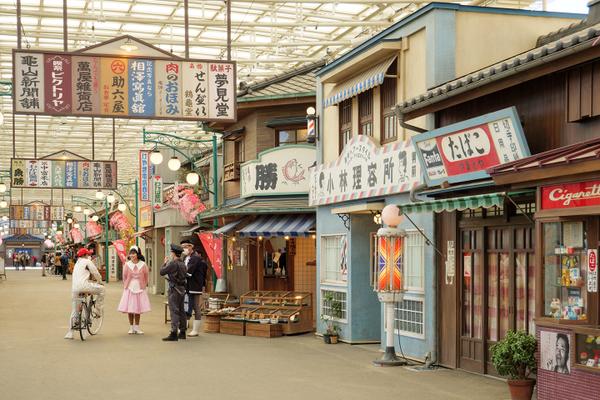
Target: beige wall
column 483, row 39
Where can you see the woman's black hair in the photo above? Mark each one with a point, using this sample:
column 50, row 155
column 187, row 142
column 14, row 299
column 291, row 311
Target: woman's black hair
column 137, row 251
column 565, row 338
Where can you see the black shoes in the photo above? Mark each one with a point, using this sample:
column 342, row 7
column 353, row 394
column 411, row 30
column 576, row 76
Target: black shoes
column 172, row 337
column 181, row 334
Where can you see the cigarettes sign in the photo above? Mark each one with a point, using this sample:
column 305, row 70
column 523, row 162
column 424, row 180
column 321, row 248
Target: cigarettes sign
column 580, row 194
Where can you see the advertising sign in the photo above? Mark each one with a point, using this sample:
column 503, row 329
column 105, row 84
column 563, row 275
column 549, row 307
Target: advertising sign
column 112, row 263
column 146, row 216
column 144, row 175
column 365, row 170
column 157, row 192
column 463, row 151
column 61, row 174
column 592, row 272
column 36, row 212
column 281, row 170
column 569, row 195
column 554, row 352
column 115, row 86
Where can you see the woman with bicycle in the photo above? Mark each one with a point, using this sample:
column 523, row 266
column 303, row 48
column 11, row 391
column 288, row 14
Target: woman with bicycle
column 134, row 301
column 83, row 270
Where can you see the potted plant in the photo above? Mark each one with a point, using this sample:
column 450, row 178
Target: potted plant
column 332, row 330
column 514, row 357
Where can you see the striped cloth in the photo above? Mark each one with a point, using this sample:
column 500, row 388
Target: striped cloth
column 458, row 203
column 280, row 225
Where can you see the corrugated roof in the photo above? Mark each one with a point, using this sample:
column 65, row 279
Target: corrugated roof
column 562, row 47
column 298, row 83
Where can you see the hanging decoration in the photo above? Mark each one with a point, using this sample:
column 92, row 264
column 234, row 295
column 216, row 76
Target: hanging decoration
column 76, row 235
column 60, row 238
column 121, row 224
column 213, row 244
column 93, row 229
column 187, row 202
column 121, row 247
column 48, row 243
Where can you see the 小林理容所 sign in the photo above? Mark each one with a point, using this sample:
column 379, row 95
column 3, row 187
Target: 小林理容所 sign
column 462, row 152
column 116, row 86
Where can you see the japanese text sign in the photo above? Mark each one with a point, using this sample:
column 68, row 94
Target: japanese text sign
column 61, row 174
column 592, row 272
column 37, row 212
column 463, row 151
column 144, row 175
column 109, row 86
column 157, row 192
column 277, row 171
column 568, row 195
column 365, row 170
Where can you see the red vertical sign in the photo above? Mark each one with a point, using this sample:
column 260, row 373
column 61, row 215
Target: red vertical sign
column 57, row 75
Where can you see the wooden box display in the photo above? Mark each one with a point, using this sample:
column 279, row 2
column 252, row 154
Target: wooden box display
column 212, row 323
column 232, row 327
column 263, row 330
column 294, row 309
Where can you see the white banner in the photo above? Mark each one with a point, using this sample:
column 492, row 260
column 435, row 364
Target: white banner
column 592, row 272
column 365, row 170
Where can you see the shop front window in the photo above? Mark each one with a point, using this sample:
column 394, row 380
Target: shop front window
column 334, row 253
column 565, row 258
column 275, row 257
column 291, row 136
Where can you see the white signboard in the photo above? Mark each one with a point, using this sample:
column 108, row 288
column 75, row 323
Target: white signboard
column 277, row 171
column 592, row 272
column 112, row 263
column 450, row 262
column 29, row 82
column 365, row 170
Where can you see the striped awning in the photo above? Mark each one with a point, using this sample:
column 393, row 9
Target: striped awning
column 227, row 227
column 280, row 225
column 362, row 82
column 457, row 203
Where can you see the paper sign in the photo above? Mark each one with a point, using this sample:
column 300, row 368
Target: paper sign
column 592, row 273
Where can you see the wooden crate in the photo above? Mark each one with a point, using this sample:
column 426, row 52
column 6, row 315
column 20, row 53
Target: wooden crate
column 212, row 323
column 263, row 330
column 232, row 327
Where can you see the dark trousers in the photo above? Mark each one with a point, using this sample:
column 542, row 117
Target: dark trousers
column 64, row 271
column 177, row 308
column 194, row 306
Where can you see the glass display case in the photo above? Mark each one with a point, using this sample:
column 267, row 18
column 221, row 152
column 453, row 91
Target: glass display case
column 587, row 348
column 565, row 261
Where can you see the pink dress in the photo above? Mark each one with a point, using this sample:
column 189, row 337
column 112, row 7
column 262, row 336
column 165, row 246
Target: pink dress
column 135, row 279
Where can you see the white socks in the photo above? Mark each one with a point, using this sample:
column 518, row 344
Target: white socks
column 137, row 330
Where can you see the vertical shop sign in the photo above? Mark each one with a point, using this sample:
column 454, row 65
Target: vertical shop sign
column 29, row 82
column 86, row 85
column 45, row 173
column 18, row 173
column 110, row 175
column 114, row 86
column 157, row 192
column 84, row 177
column 32, row 173
column 450, row 262
column 70, row 174
column 168, row 89
column 112, row 263
column 222, row 90
column 592, row 272
column 26, row 212
column 58, row 173
column 144, row 175
column 47, row 214
column 195, row 84
column 141, row 88
column 97, row 174
column 57, row 75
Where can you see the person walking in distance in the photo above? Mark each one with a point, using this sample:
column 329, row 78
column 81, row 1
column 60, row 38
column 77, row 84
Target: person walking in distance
column 175, row 271
column 196, row 278
column 64, row 265
column 134, row 300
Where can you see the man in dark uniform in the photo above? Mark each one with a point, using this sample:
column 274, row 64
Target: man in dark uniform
column 196, row 270
column 176, row 274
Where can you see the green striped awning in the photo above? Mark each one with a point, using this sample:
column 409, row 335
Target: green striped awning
column 457, row 203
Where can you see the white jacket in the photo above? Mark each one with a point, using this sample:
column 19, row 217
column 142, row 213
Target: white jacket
column 84, row 267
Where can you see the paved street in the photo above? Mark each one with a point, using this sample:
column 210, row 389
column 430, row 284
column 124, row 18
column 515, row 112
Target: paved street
column 37, row 363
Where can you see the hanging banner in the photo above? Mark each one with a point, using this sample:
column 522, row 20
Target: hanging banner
column 61, row 174
column 112, row 261
column 213, row 245
column 277, row 171
column 463, row 151
column 144, row 158
column 157, row 192
column 58, row 83
column 365, row 170
column 592, row 272
column 36, row 212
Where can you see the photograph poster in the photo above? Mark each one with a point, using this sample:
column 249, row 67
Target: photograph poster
column 555, row 352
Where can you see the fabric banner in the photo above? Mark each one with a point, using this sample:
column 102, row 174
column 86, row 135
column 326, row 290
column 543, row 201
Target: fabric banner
column 61, row 174
column 187, row 202
column 93, row 229
column 121, row 248
column 213, row 244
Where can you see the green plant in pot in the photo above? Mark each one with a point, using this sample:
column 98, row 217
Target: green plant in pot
column 514, row 357
column 332, row 330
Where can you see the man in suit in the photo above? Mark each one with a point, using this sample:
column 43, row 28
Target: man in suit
column 196, row 269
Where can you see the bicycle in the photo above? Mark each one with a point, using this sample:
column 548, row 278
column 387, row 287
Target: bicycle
column 89, row 317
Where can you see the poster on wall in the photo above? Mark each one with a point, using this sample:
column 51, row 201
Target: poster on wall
column 146, row 216
column 59, row 83
column 463, row 151
column 592, row 270
column 278, row 171
column 555, row 351
column 365, row 170
column 144, row 159
column 61, row 174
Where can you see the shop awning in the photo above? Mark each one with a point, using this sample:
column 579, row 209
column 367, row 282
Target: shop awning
column 364, row 81
column 144, row 232
column 457, row 203
column 227, row 227
column 280, row 225
column 190, row 231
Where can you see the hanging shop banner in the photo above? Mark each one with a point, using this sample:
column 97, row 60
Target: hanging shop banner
column 146, row 216
column 144, row 175
column 365, row 170
column 463, row 151
column 37, row 212
column 213, row 245
column 112, row 263
column 569, row 195
column 61, row 174
column 157, row 192
column 115, row 86
column 592, row 272
column 277, row 171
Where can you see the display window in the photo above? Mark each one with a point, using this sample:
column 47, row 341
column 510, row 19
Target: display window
column 565, row 259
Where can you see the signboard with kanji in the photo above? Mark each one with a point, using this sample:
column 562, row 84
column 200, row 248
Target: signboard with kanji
column 63, row 174
column 463, row 151
column 365, row 170
column 36, row 212
column 118, row 86
column 144, row 175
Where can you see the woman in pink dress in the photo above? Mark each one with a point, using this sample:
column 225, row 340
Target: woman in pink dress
column 134, row 300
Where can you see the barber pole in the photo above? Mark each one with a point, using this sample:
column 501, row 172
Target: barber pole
column 311, row 128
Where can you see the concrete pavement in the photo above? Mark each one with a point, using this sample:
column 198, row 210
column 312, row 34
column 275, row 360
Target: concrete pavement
column 37, row 363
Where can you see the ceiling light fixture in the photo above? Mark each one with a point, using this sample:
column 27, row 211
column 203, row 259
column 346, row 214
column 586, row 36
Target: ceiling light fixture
column 110, row 198
column 156, row 157
column 3, row 204
column 95, row 218
column 3, row 187
column 174, row 164
column 128, row 46
column 69, row 220
column 192, row 178
column 99, row 195
column 122, row 207
column 86, row 211
column 77, row 209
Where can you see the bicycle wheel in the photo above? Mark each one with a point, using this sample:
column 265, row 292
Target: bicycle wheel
column 83, row 320
column 96, row 317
